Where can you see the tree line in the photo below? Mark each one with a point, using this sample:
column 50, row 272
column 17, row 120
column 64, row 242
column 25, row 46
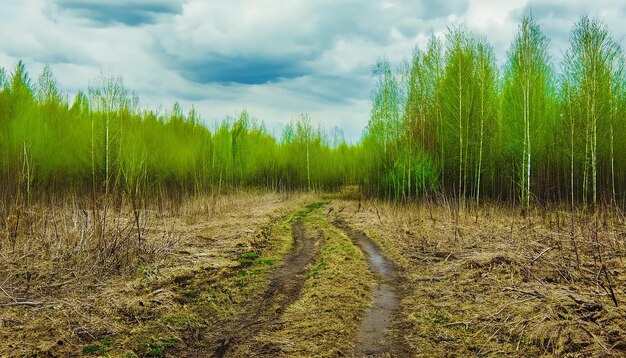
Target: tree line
column 103, row 144
column 453, row 121
column 449, row 122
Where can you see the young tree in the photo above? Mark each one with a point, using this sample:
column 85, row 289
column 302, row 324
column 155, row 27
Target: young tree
column 48, row 92
column 527, row 78
column 304, row 134
column 422, row 119
column 384, row 129
column 486, row 77
column 384, row 123
column 108, row 96
column 457, row 91
column 593, row 71
column 433, row 63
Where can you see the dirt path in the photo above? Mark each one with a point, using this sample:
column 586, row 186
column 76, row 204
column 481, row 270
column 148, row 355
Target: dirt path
column 374, row 338
column 284, row 288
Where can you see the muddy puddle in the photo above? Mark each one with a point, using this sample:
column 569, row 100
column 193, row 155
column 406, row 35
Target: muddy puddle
column 373, row 339
column 385, row 303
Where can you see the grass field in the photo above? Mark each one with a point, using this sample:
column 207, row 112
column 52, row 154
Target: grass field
column 257, row 274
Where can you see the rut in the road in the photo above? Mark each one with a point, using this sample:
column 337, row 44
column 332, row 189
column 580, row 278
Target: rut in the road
column 284, row 288
column 373, row 339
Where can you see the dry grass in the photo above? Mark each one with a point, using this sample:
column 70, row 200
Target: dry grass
column 71, row 280
column 495, row 283
column 484, row 283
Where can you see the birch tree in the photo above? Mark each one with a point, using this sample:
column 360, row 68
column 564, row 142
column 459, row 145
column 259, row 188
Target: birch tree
column 486, row 110
column 108, row 96
column 457, row 86
column 304, row 134
column 593, row 68
column 526, row 84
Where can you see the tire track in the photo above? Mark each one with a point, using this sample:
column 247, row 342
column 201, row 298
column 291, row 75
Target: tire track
column 284, row 288
column 374, row 338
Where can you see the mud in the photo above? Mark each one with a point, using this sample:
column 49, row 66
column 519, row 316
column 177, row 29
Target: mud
column 374, row 337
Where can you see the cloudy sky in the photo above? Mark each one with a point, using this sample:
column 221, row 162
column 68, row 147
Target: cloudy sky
column 274, row 58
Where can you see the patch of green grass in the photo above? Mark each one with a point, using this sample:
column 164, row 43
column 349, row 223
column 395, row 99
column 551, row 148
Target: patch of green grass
column 93, row 348
column 438, row 317
column 246, row 262
column 242, row 282
column 266, row 261
column 155, row 351
column 191, row 294
column 157, row 348
column 318, row 268
column 565, row 316
column 316, row 205
column 102, row 347
column 250, row 256
column 311, row 207
column 176, row 320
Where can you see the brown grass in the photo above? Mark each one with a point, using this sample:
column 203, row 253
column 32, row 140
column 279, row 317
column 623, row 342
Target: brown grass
column 495, row 283
column 75, row 280
column 71, row 278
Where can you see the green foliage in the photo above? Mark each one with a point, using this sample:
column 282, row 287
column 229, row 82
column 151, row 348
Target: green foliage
column 593, row 109
column 103, row 144
column 318, row 268
column 505, row 133
column 252, row 258
column 421, row 168
column 246, row 262
column 438, row 317
column 315, row 205
column 102, row 348
column 526, row 106
column 157, row 348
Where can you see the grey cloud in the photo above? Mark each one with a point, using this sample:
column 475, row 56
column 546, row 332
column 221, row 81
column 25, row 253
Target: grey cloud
column 105, row 13
column 287, row 51
column 549, row 10
column 239, row 69
column 571, row 10
column 431, row 10
column 48, row 57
